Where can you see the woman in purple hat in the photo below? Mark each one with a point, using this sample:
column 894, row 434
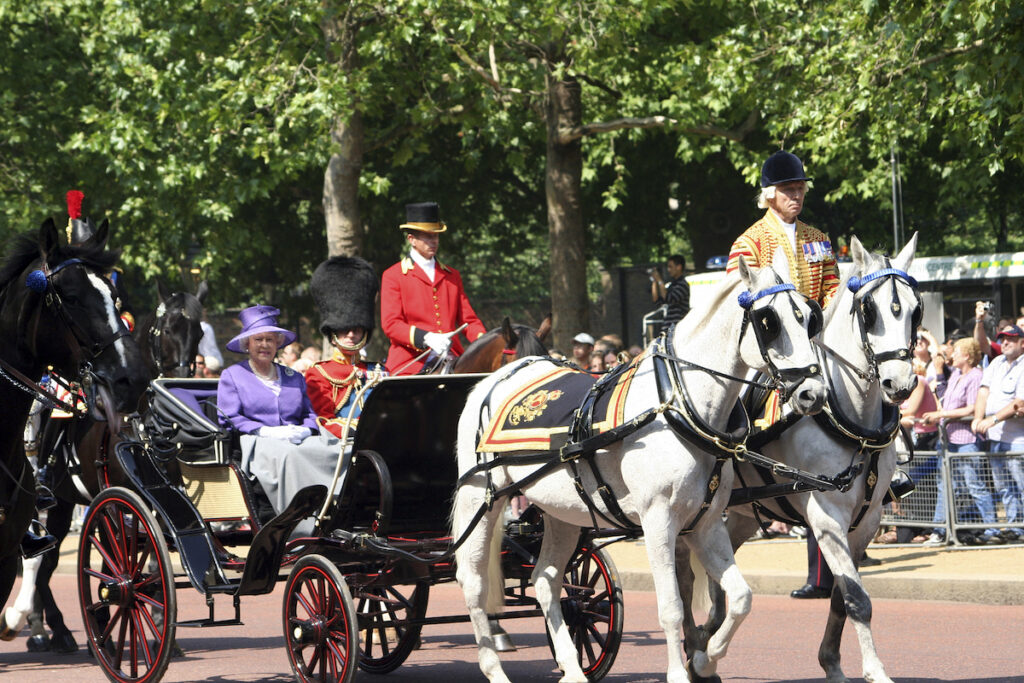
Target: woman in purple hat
column 259, row 396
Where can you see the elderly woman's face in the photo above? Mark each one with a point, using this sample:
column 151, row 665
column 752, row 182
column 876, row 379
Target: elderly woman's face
column 263, row 346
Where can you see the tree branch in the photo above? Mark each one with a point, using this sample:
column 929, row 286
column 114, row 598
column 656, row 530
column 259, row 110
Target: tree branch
column 567, row 135
column 951, row 52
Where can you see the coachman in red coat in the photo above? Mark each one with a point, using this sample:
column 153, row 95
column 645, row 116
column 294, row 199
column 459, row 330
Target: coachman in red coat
column 422, row 300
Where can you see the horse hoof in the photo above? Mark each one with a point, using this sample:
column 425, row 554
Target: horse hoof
column 697, row 678
column 37, row 644
column 64, row 644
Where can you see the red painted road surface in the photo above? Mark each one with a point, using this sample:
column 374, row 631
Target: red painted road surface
column 918, row 641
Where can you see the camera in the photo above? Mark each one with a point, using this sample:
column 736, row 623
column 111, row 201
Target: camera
column 988, row 306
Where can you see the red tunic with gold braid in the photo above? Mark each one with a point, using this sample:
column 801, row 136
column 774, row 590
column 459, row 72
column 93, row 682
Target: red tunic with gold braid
column 411, row 306
column 332, row 386
column 812, row 269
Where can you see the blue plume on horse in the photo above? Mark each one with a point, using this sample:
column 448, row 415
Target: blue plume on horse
column 36, row 281
column 745, row 299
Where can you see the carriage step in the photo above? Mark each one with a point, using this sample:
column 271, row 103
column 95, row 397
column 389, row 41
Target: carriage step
column 200, row 623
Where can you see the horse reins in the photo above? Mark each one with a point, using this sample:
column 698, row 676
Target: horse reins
column 834, row 421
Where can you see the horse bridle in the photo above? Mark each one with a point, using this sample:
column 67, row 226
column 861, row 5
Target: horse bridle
column 766, row 326
column 866, row 312
column 41, row 282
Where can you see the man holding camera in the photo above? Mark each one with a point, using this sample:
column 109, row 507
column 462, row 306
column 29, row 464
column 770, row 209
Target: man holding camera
column 675, row 293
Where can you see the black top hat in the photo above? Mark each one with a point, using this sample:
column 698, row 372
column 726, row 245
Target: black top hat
column 344, row 290
column 782, row 167
column 425, row 217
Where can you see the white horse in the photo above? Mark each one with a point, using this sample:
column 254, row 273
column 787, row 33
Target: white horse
column 660, row 480
column 868, row 331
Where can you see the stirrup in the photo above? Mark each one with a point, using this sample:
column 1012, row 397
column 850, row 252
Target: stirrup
column 44, row 498
column 900, row 487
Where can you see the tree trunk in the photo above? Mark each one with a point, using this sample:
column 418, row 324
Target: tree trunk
column 341, row 188
column 570, row 305
column 341, row 178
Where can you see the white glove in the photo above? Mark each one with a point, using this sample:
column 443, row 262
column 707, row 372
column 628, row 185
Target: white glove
column 437, row 342
column 284, row 432
column 299, row 433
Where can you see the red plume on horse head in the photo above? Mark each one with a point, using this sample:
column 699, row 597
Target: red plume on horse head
column 79, row 229
column 74, row 199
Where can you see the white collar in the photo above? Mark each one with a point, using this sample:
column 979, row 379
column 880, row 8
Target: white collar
column 427, row 265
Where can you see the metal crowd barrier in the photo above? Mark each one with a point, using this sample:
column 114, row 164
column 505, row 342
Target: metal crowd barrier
column 930, row 469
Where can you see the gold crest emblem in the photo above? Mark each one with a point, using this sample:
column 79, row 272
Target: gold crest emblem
column 872, row 479
column 713, row 484
column 533, row 406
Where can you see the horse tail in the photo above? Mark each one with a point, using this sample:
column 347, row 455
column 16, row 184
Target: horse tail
column 495, row 603
column 701, row 598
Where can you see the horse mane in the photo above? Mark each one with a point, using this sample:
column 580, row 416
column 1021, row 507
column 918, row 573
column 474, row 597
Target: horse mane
column 24, row 251
column 528, row 344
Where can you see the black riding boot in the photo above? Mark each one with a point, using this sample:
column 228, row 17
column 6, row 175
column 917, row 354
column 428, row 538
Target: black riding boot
column 33, row 546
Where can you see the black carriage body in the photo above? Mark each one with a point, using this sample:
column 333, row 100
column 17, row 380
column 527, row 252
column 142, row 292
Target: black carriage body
column 384, row 543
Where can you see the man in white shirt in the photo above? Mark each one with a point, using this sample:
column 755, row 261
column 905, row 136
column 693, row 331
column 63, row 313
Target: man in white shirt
column 996, row 418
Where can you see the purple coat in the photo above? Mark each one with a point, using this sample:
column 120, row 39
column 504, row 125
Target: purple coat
column 247, row 404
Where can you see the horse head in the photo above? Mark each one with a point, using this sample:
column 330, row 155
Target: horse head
column 782, row 322
column 886, row 311
column 69, row 318
column 173, row 336
column 498, row 347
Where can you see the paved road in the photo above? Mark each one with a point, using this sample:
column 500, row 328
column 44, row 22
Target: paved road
column 918, row 641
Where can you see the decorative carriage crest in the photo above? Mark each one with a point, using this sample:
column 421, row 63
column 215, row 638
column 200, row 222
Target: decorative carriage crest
column 533, row 406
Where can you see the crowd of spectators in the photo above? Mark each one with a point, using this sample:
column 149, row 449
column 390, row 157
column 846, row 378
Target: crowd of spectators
column 972, row 396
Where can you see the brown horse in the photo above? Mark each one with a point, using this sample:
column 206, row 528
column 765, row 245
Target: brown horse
column 500, row 346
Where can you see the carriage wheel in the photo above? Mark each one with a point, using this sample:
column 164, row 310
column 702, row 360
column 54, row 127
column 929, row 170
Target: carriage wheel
column 128, row 609
column 592, row 608
column 319, row 622
column 387, row 637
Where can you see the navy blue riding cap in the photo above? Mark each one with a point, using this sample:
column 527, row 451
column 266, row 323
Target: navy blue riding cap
column 782, row 167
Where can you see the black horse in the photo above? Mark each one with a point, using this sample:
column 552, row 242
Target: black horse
column 57, row 308
column 169, row 337
column 168, row 340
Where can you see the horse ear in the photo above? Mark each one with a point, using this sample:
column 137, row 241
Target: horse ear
column 202, row 291
column 746, row 275
column 545, row 328
column 906, row 255
column 511, row 338
column 48, row 239
column 161, row 290
column 858, row 253
column 99, row 238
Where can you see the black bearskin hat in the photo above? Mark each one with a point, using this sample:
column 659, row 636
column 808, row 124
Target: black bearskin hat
column 344, row 290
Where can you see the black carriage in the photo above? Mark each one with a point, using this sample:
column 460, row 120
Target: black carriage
column 356, row 590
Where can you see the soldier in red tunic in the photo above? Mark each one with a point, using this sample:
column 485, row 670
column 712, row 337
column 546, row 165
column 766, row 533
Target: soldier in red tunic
column 422, row 300
column 344, row 290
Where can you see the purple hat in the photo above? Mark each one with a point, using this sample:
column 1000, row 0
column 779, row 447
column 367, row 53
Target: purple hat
column 256, row 320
